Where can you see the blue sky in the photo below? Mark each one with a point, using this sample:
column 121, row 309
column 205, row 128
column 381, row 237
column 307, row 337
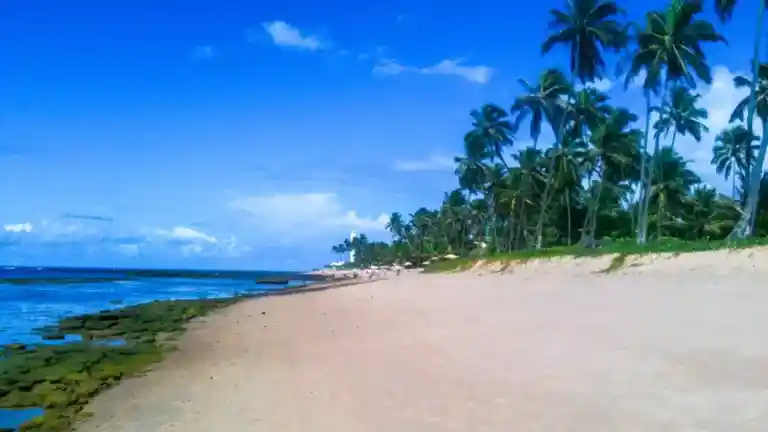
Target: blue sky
column 255, row 135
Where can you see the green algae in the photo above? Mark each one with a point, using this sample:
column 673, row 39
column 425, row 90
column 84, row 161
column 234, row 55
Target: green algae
column 63, row 379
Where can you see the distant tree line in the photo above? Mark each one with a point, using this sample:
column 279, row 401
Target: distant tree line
column 605, row 175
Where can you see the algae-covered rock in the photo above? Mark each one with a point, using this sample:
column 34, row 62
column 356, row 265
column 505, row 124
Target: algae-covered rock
column 64, row 378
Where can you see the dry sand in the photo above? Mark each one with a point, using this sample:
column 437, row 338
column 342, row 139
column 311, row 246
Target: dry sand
column 674, row 344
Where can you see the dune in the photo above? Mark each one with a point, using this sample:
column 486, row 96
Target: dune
column 659, row 343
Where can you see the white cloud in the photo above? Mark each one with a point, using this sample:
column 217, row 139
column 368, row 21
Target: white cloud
column 389, row 67
column 477, row 74
column 434, row 162
column 305, row 214
column 18, row 228
column 286, row 35
column 187, row 234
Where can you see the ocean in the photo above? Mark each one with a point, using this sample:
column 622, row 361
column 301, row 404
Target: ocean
column 32, row 297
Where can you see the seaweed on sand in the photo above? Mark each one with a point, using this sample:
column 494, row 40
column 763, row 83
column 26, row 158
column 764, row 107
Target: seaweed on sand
column 62, row 379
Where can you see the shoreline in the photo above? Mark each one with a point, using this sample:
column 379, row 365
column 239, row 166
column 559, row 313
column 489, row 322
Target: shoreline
column 116, row 345
column 553, row 345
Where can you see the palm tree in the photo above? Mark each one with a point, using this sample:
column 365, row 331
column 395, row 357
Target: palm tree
column 396, row 225
column 569, row 160
column 587, row 27
column 339, row 250
column 673, row 184
column 542, row 102
column 472, row 174
column 732, row 154
column 491, row 132
column 708, row 215
column 668, row 49
column 612, row 158
column 590, row 106
column 679, row 113
column 724, row 10
column 746, row 224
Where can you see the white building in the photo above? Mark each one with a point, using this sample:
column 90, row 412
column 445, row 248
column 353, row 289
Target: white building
column 352, row 237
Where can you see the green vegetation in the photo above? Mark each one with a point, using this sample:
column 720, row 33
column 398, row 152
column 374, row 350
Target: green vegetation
column 64, row 378
column 599, row 177
column 621, row 249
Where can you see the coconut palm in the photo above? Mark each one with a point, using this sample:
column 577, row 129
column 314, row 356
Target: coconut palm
column 612, row 158
column 491, row 133
column 472, row 174
column 708, row 214
column 668, row 50
column 745, row 226
column 679, row 114
column 589, row 106
column 542, row 102
column 724, row 10
column 568, row 164
column 732, row 154
column 672, row 185
column 587, row 27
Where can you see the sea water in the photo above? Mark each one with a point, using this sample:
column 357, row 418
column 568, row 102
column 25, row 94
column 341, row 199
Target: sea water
column 34, row 297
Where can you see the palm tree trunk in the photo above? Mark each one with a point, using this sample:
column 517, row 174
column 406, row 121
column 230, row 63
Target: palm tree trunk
column 746, row 224
column 568, row 213
column 733, row 178
column 659, row 216
column 647, row 197
column 546, row 198
column 744, row 227
column 593, row 223
column 642, row 187
column 661, row 178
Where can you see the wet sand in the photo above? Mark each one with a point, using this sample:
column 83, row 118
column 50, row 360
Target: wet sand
column 666, row 345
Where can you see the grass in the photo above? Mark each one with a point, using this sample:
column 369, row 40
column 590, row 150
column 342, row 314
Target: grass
column 622, row 248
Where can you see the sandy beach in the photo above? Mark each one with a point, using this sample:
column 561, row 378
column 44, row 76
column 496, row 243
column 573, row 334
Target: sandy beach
column 666, row 344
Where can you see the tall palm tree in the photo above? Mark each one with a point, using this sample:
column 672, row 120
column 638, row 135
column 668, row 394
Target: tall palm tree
column 569, row 160
column 668, row 49
column 396, row 225
column 746, row 224
column 724, row 10
column 612, row 156
column 673, row 184
column 472, row 174
column 678, row 112
column 587, row 27
column 590, row 106
column 491, row 132
column 732, row 154
column 542, row 102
